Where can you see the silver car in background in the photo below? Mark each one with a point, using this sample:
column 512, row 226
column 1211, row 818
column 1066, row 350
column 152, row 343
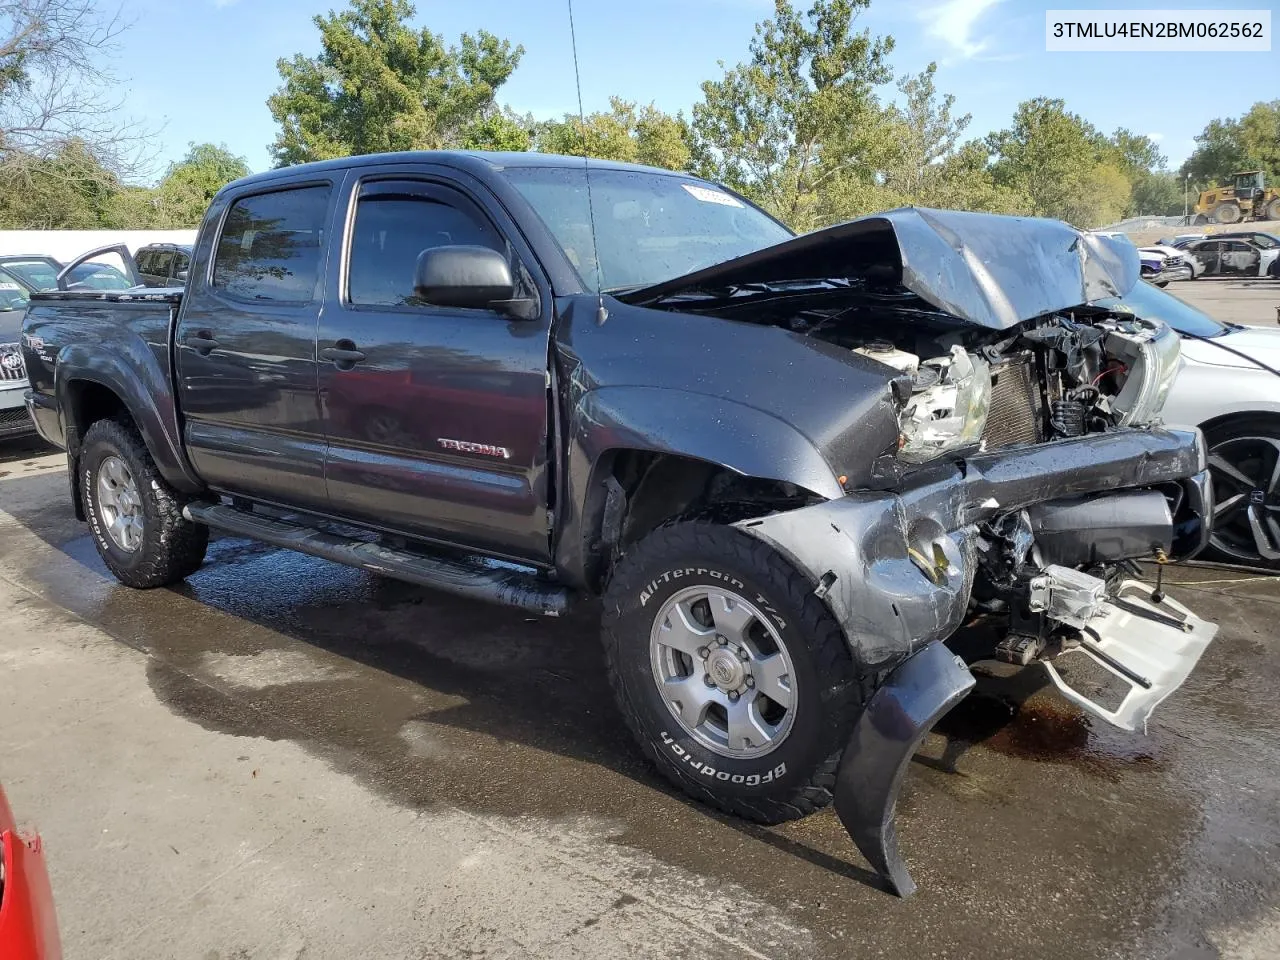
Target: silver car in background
column 14, row 420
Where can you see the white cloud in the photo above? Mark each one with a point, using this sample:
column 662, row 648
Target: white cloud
column 1155, row 137
column 953, row 23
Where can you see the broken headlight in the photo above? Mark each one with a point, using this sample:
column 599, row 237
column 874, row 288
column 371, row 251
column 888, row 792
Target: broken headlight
column 1151, row 352
column 948, row 407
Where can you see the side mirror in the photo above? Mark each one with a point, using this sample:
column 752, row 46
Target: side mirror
column 181, row 275
column 463, row 276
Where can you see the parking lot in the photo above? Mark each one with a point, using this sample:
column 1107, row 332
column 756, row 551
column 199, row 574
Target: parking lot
column 284, row 758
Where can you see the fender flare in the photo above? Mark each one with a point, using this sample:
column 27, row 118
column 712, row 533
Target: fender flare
column 145, row 392
column 714, row 430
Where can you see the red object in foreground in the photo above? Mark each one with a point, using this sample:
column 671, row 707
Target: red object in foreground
column 28, row 927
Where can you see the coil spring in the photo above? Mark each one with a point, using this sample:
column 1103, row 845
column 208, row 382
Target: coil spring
column 1067, row 417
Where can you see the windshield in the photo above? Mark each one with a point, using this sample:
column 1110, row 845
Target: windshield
column 649, row 227
column 40, row 274
column 1152, row 303
column 1266, row 241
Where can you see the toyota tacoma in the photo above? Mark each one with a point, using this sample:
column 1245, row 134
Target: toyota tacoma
column 791, row 467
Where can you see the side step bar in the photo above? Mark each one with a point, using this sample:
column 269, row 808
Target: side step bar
column 477, row 579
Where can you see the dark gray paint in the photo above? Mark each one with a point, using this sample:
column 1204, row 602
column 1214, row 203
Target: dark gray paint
column 990, row 270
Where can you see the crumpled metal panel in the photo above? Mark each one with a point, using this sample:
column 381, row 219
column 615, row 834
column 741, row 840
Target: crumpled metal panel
column 991, row 270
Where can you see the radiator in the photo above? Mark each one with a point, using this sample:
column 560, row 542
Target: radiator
column 1015, row 416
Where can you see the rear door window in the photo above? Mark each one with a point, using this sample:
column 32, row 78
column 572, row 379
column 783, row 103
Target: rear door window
column 272, row 245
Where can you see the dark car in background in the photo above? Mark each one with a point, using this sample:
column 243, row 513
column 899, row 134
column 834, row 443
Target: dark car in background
column 39, row 273
column 163, row 264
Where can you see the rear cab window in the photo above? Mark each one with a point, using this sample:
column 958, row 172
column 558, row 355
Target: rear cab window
column 272, row 245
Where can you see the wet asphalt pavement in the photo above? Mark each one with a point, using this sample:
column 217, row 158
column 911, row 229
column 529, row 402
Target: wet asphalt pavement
column 1031, row 830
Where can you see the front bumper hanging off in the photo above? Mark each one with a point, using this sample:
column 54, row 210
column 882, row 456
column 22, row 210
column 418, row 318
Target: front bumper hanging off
column 896, row 719
column 896, row 569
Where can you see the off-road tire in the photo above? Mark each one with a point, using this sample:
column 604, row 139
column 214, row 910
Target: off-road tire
column 1273, row 209
column 1227, row 212
column 794, row 779
column 172, row 547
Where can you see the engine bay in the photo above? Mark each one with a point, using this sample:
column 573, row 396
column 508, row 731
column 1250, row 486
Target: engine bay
column 960, row 387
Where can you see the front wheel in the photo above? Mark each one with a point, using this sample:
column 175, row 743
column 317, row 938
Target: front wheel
column 1244, row 461
column 732, row 676
column 136, row 518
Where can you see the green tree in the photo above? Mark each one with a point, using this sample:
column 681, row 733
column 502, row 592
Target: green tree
column 1158, row 194
column 379, row 85
column 1061, row 163
column 185, row 190
column 927, row 133
column 623, row 132
column 1219, row 152
column 1136, row 153
column 71, row 189
column 797, row 126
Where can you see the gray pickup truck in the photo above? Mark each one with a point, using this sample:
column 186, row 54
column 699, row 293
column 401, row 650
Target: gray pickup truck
column 792, row 467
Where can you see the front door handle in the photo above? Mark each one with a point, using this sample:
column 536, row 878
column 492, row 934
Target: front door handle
column 202, row 342
column 344, row 355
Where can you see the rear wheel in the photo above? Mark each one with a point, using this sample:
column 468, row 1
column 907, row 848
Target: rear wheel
column 1273, row 209
column 732, row 676
column 136, row 518
column 1244, row 461
column 1225, row 213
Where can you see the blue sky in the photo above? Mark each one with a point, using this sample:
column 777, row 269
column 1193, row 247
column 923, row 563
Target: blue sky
column 201, row 70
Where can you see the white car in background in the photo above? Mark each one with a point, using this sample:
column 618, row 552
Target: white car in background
column 1228, row 385
column 1182, row 258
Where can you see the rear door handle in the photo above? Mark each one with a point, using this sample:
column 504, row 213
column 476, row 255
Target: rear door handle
column 202, row 342
column 342, row 358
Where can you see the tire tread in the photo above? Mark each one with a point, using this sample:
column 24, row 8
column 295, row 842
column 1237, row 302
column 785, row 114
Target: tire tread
column 174, row 547
column 825, row 638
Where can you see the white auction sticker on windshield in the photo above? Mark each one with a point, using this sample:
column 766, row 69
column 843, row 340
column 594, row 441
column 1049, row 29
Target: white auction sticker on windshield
column 7, row 285
column 708, row 195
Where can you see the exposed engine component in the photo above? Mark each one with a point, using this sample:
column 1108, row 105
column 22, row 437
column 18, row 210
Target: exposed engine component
column 1015, row 416
column 1102, row 529
column 1067, row 596
column 1053, row 378
column 890, row 355
column 1067, row 418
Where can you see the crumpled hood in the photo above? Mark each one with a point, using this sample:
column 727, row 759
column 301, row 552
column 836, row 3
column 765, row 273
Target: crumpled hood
column 991, row 270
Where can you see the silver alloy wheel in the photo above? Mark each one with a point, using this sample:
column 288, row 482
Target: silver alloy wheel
column 723, row 671
column 1246, row 484
column 119, row 505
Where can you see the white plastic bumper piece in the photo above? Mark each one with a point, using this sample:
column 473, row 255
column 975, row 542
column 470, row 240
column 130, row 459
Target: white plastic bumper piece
column 1151, row 647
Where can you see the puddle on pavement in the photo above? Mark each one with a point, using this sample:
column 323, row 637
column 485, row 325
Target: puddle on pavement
column 475, row 707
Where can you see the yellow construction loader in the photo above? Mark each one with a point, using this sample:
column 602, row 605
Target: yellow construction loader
column 1246, row 197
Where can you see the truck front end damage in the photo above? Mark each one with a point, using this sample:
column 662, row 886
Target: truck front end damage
column 1025, row 369
column 902, row 569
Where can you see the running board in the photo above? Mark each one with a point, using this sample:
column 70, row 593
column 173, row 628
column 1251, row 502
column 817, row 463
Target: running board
column 478, row 579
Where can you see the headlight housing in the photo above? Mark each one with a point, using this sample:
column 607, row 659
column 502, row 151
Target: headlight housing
column 1152, row 352
column 949, row 413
